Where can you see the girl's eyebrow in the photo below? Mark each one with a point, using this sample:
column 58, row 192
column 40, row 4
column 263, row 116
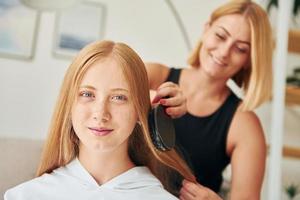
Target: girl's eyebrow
column 113, row 89
column 120, row 89
column 88, row 87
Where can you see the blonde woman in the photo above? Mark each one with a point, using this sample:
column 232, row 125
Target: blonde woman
column 219, row 128
column 99, row 146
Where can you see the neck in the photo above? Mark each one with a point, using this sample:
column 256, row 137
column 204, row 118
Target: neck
column 209, row 87
column 104, row 166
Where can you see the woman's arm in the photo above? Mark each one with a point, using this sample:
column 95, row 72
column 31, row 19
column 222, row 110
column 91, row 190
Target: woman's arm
column 157, row 74
column 247, row 147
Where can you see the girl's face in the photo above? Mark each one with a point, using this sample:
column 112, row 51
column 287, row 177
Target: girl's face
column 103, row 116
column 226, row 46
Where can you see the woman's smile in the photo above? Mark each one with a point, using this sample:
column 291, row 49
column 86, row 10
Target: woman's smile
column 218, row 61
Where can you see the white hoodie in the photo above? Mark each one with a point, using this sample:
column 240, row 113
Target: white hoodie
column 74, row 182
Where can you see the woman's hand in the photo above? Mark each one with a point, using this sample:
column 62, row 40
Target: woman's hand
column 195, row 191
column 170, row 95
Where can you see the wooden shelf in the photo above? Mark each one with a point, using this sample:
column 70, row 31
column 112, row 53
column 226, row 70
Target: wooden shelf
column 294, row 41
column 292, row 95
column 288, row 151
column 292, row 152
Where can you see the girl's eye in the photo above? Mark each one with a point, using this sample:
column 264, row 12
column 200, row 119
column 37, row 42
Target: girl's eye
column 86, row 94
column 119, row 98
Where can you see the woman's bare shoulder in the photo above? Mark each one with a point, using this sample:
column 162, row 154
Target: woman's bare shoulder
column 245, row 128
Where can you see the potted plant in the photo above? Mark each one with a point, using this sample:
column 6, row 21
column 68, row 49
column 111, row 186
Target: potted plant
column 294, row 33
column 291, row 190
column 275, row 3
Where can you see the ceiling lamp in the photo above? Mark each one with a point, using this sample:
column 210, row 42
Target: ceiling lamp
column 50, row 5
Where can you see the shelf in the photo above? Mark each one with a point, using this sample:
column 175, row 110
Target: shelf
column 294, row 41
column 292, row 152
column 289, row 151
column 292, row 95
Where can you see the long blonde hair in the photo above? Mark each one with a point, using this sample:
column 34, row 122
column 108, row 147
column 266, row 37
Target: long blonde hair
column 255, row 80
column 62, row 143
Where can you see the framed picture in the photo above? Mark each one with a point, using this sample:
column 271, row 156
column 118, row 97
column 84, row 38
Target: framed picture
column 18, row 29
column 77, row 27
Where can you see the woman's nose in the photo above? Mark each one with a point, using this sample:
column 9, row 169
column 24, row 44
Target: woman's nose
column 224, row 50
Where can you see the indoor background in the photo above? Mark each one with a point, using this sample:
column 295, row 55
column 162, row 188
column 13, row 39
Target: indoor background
column 36, row 47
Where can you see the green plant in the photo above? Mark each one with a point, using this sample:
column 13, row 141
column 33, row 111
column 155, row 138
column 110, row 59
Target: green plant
column 275, row 3
column 292, row 190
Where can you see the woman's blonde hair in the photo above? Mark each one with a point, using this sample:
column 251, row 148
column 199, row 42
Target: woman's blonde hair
column 256, row 79
column 62, row 143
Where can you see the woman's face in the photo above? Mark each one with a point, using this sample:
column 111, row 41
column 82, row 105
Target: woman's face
column 226, row 46
column 103, row 116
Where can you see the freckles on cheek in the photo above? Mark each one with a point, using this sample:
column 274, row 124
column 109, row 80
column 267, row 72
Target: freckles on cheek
column 127, row 115
column 79, row 113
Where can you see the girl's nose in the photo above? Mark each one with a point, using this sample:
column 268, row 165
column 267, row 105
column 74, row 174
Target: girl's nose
column 101, row 112
column 101, row 118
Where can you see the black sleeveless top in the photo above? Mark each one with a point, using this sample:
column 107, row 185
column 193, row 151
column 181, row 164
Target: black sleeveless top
column 202, row 140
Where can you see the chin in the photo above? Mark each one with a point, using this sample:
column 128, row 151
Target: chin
column 102, row 148
column 213, row 73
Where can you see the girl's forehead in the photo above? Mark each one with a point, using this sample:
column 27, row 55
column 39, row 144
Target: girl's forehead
column 105, row 73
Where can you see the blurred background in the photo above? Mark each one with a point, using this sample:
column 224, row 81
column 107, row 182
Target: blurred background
column 38, row 43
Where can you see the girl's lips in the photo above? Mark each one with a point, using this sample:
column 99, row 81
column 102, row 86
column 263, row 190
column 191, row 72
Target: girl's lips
column 100, row 131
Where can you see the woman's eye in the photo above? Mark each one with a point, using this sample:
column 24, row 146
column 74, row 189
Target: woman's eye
column 86, row 94
column 220, row 36
column 119, row 98
column 241, row 50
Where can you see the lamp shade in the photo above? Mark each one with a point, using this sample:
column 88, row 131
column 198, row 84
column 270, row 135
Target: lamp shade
column 49, row 4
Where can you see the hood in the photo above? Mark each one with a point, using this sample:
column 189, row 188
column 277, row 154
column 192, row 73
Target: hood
column 134, row 178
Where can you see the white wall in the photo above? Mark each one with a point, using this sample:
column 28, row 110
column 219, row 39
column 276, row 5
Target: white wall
column 29, row 88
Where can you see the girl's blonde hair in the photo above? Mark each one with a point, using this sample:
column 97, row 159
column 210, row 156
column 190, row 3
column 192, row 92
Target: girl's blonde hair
column 256, row 79
column 62, row 143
